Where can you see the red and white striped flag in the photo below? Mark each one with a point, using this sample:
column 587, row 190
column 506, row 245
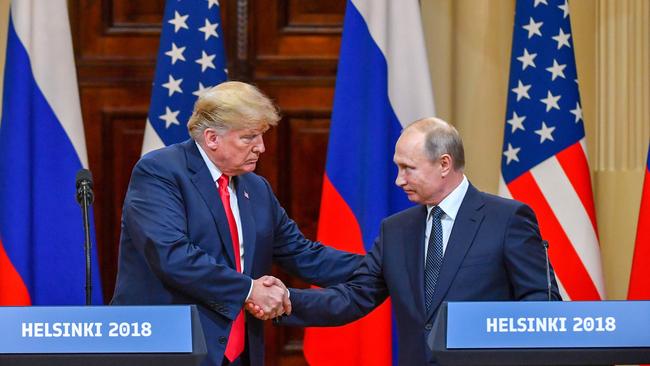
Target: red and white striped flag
column 640, row 277
column 544, row 161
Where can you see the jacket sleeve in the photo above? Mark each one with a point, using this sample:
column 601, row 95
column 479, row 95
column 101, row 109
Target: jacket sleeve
column 525, row 258
column 343, row 303
column 311, row 261
column 155, row 218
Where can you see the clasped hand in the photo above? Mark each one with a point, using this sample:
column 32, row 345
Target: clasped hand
column 269, row 298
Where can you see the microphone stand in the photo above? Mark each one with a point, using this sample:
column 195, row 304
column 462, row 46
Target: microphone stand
column 84, row 184
column 548, row 270
column 85, row 202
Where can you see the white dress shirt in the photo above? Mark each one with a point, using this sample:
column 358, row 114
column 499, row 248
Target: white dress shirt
column 450, row 206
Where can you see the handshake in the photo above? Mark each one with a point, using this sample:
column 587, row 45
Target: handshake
column 269, row 298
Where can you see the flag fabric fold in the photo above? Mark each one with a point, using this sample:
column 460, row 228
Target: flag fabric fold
column 382, row 85
column 544, row 161
column 639, row 288
column 191, row 58
column 42, row 146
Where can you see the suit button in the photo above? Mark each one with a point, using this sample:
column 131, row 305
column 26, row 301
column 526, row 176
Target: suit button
column 428, row 326
column 223, row 340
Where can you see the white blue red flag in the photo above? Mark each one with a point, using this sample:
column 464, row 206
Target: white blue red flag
column 544, row 162
column 640, row 276
column 382, row 85
column 42, row 146
column 191, row 58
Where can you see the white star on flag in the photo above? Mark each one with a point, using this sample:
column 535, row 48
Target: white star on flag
column 209, row 30
column 562, row 39
column 521, row 90
column 202, row 89
column 537, row 2
column 179, row 21
column 527, row 59
column 511, row 154
column 545, row 133
column 577, row 112
column 517, row 122
column 565, row 8
column 533, row 28
column 170, row 117
column 173, row 85
column 551, row 101
column 556, row 70
column 206, row 61
column 212, row 2
column 176, row 53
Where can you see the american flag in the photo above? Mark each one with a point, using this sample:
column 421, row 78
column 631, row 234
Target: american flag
column 191, row 58
column 544, row 162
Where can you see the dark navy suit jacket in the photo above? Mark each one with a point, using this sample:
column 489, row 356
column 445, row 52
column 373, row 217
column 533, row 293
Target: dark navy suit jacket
column 494, row 253
column 175, row 246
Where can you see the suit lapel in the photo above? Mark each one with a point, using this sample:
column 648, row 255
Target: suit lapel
column 466, row 225
column 414, row 254
column 247, row 224
column 202, row 180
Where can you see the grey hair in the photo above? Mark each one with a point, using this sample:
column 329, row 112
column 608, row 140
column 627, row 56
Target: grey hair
column 441, row 138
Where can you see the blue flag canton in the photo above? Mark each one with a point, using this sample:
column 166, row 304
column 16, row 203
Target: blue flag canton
column 191, row 58
column 544, row 115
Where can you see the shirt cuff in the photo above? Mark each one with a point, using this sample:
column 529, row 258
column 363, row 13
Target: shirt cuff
column 250, row 291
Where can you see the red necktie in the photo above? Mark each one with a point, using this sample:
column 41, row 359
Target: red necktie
column 235, row 345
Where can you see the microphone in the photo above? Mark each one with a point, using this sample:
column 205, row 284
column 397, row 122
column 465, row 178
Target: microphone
column 548, row 269
column 84, row 184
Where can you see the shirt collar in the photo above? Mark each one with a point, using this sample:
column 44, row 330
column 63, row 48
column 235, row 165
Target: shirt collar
column 451, row 204
column 214, row 171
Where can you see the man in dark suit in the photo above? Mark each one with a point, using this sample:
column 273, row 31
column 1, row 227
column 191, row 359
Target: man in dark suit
column 199, row 227
column 457, row 244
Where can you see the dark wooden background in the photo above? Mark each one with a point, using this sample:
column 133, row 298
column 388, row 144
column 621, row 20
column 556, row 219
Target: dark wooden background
column 289, row 48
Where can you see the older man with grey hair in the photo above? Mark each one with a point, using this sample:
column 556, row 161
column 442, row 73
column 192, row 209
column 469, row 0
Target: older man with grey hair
column 456, row 244
column 199, row 227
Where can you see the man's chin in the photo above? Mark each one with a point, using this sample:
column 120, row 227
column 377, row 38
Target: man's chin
column 413, row 197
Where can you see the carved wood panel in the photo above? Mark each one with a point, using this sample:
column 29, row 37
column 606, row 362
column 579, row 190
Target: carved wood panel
column 289, row 48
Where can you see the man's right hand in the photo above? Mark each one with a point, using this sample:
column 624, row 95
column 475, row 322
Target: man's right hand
column 269, row 298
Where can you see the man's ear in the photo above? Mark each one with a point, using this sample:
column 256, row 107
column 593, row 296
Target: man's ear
column 446, row 164
column 211, row 139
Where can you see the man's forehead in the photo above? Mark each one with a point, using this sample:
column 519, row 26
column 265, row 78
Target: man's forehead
column 252, row 130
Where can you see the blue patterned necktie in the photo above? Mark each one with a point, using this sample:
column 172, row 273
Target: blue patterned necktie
column 434, row 256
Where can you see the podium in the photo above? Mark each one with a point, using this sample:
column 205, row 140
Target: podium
column 542, row 333
column 101, row 335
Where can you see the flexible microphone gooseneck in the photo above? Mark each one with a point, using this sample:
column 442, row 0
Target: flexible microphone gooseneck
column 84, row 183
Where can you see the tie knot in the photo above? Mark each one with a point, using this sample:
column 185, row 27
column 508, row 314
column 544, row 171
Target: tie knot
column 437, row 212
column 223, row 181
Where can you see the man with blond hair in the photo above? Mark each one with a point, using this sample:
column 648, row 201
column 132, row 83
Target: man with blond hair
column 199, row 227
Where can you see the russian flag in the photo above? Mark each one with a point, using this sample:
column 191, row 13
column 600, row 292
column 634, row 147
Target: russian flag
column 640, row 277
column 383, row 84
column 42, row 146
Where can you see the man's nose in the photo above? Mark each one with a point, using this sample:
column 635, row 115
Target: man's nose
column 259, row 145
column 399, row 180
